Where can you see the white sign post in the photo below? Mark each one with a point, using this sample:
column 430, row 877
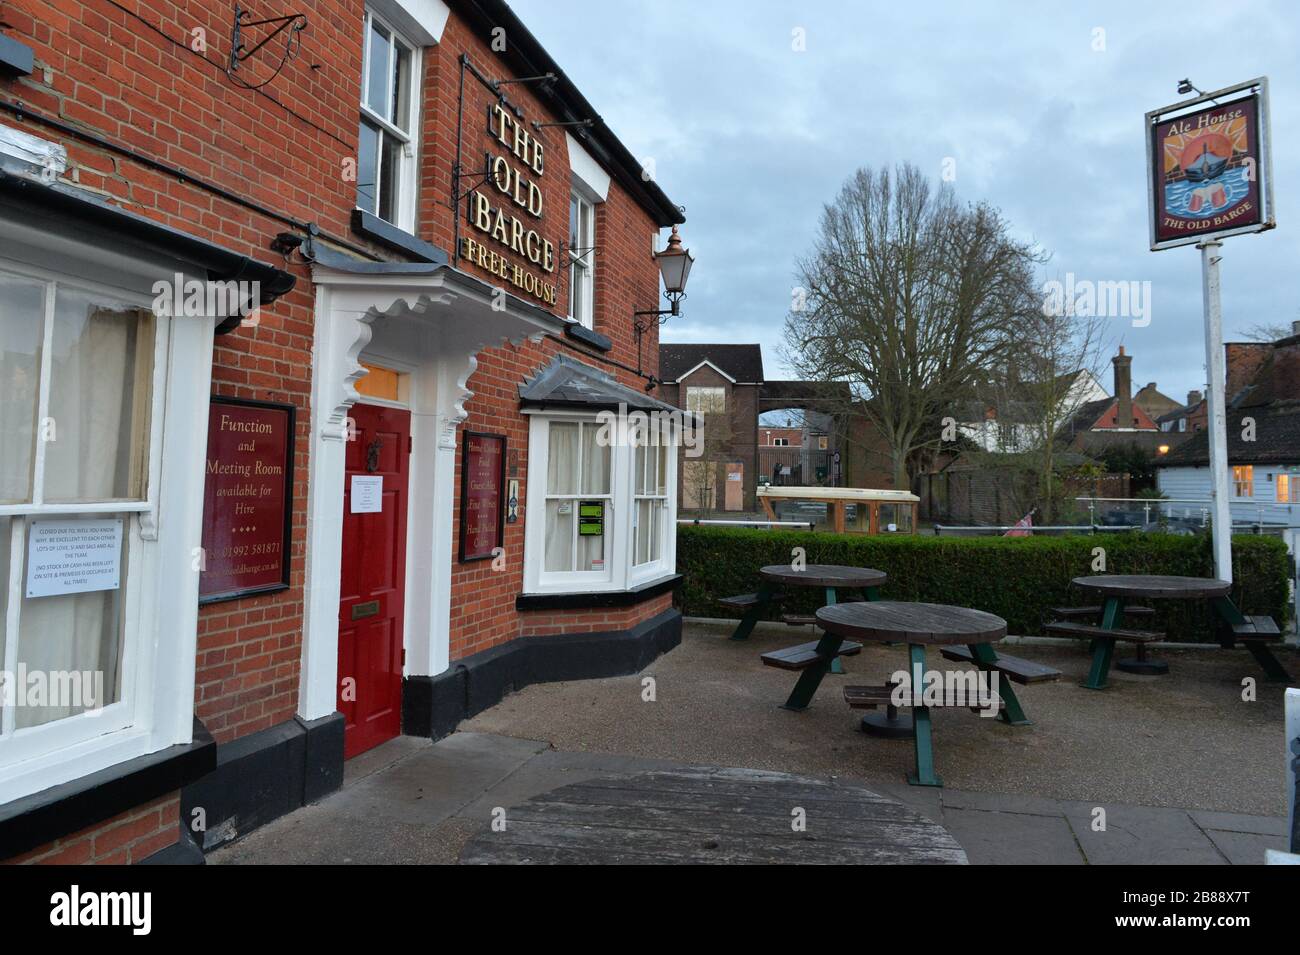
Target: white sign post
column 1209, row 176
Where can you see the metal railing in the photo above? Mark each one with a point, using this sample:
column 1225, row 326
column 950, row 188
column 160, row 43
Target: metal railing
column 994, row 529
column 805, row 525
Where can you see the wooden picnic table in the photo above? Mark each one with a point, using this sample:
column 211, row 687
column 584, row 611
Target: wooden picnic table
column 1117, row 588
column 714, row 816
column 921, row 625
column 831, row 579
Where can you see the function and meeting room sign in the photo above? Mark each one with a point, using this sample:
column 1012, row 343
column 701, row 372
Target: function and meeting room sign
column 247, row 499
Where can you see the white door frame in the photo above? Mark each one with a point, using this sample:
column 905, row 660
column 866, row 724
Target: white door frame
column 457, row 316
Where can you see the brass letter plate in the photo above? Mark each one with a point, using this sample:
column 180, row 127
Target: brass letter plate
column 368, row 609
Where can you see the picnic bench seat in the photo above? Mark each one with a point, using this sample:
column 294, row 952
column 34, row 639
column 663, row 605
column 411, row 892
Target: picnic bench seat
column 871, row 697
column 798, row 619
column 1095, row 612
column 747, row 601
column 1070, row 628
column 805, row 655
column 1259, row 627
column 1014, row 668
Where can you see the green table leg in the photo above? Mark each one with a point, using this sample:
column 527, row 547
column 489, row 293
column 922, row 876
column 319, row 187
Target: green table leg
column 811, row 678
column 752, row 615
column 923, row 737
column 986, row 658
column 832, row 596
column 1104, row 647
column 870, row 593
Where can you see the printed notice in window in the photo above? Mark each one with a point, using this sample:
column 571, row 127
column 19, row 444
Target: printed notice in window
column 73, row 556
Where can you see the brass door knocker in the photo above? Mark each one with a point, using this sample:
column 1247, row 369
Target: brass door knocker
column 372, row 455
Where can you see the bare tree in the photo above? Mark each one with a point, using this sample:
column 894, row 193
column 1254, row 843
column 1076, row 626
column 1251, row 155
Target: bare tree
column 1264, row 332
column 910, row 297
column 1059, row 353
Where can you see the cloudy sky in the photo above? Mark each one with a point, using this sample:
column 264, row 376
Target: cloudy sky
column 1041, row 107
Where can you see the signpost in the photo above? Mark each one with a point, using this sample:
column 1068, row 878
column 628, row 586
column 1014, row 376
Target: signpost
column 1208, row 177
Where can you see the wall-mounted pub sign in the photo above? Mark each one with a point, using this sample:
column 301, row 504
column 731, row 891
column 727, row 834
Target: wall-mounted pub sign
column 247, row 499
column 507, row 210
column 1209, row 168
column 482, row 501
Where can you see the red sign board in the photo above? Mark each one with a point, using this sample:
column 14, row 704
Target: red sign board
column 1208, row 173
column 247, row 495
column 482, row 481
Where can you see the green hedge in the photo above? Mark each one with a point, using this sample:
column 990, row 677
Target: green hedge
column 1017, row 578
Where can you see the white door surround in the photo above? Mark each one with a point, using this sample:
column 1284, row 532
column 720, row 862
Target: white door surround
column 436, row 320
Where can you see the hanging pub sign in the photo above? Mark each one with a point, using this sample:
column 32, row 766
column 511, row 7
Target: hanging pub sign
column 1208, row 166
column 247, row 499
column 482, row 503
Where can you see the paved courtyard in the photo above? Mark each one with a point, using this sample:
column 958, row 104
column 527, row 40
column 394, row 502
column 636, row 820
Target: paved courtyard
column 1184, row 769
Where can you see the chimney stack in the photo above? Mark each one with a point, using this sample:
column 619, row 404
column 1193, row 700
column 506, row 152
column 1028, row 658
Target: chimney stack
column 1123, row 389
column 1295, row 327
column 1194, row 398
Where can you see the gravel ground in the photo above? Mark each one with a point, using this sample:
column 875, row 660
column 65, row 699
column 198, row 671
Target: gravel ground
column 1186, row 739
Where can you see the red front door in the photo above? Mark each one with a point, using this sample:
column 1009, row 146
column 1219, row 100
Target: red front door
column 371, row 604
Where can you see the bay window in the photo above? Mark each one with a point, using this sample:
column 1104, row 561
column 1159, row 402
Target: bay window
column 605, row 504
column 386, row 142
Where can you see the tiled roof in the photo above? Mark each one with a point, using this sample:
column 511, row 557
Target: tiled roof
column 568, row 383
column 1276, row 438
column 744, row 363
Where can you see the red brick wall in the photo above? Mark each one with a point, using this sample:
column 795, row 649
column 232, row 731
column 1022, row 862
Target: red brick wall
column 123, row 840
column 136, row 82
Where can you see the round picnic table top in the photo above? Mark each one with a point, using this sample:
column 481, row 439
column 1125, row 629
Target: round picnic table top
column 711, row 815
column 1154, row 586
column 899, row 621
column 823, row 575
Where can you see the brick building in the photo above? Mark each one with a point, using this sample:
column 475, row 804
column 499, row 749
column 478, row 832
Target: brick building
column 428, row 248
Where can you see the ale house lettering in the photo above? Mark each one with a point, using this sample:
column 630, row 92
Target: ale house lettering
column 507, row 211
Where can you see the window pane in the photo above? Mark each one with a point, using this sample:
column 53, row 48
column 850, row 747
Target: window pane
column 644, row 530
column 562, row 467
column 595, row 462
column 401, row 114
column 389, row 180
column 74, row 642
column 559, row 535
column 661, row 483
column 21, row 332
column 377, row 69
column 639, row 469
column 573, row 223
column 657, row 511
column 4, row 586
column 101, row 372
column 367, row 167
column 591, row 549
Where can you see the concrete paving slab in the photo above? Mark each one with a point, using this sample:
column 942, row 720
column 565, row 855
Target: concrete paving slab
column 1012, row 838
column 1139, row 835
column 1245, row 848
column 1240, row 822
column 1001, row 802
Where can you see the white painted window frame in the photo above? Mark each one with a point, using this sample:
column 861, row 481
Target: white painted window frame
column 405, row 198
column 149, row 715
column 620, row 571
column 585, row 260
